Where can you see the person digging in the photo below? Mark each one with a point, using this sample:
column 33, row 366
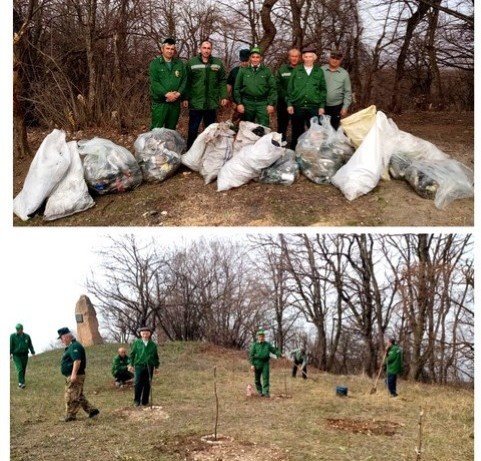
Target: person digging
column 259, row 357
column 394, row 365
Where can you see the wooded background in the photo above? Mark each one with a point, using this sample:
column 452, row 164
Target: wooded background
column 79, row 63
column 340, row 295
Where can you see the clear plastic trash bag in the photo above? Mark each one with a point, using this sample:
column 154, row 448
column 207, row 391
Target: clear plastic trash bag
column 284, row 171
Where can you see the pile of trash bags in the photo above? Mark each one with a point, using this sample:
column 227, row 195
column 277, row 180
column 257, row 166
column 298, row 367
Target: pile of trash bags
column 158, row 152
column 283, row 171
column 321, row 150
column 388, row 150
column 108, row 167
column 56, row 177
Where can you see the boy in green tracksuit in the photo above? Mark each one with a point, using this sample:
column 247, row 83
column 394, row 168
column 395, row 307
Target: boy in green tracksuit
column 306, row 93
column 259, row 356
column 206, row 89
column 120, row 367
column 168, row 79
column 20, row 344
column 394, row 365
column 255, row 91
column 143, row 359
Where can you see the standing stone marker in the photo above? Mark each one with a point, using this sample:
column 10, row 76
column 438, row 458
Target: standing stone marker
column 87, row 324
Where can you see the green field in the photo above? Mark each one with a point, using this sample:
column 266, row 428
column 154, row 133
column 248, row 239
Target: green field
column 292, row 425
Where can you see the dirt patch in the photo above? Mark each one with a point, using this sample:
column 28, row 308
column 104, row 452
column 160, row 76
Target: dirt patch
column 138, row 414
column 368, row 427
column 184, row 200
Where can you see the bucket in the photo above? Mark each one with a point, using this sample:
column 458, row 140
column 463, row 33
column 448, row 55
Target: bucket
column 341, row 391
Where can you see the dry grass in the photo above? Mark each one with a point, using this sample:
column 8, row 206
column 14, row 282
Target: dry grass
column 186, row 201
column 297, row 428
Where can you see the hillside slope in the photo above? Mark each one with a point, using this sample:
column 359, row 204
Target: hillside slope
column 303, row 420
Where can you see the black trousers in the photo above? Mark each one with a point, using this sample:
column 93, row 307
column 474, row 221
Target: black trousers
column 391, row 383
column 283, row 118
column 300, row 121
column 335, row 113
column 123, row 375
column 143, row 378
column 195, row 118
column 303, row 369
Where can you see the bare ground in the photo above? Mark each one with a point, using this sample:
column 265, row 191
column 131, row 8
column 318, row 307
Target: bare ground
column 184, row 200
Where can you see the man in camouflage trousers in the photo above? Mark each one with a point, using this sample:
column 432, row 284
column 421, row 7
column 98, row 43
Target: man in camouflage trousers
column 72, row 366
column 20, row 344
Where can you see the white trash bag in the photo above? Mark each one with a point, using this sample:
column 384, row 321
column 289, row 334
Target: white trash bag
column 159, row 153
column 71, row 195
column 248, row 163
column 108, row 167
column 363, row 171
column 48, row 167
column 249, row 133
column 193, row 157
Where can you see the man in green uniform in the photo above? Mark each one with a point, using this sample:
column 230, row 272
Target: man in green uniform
column 120, row 367
column 143, row 359
column 282, row 78
column 394, row 365
column 243, row 62
column 72, row 366
column 338, row 85
column 20, row 344
column 299, row 358
column 168, row 78
column 255, row 90
column 259, row 356
column 206, row 89
column 306, row 93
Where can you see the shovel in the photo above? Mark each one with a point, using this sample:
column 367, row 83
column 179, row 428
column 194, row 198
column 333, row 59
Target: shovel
column 374, row 388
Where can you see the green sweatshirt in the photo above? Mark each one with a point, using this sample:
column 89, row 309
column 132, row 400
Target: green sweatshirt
column 394, row 360
column 21, row 344
column 259, row 353
column 255, row 86
column 142, row 355
column 282, row 79
column 73, row 352
column 206, row 83
column 163, row 79
column 120, row 364
column 305, row 90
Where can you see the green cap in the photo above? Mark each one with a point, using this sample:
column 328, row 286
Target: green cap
column 18, row 326
column 255, row 50
column 260, row 332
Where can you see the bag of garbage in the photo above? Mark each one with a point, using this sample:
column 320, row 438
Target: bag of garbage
column 363, row 171
column 248, row 134
column 284, row 171
column 108, row 167
column 219, row 150
column 249, row 161
column 71, row 194
column 357, row 125
column 159, row 153
column 48, row 167
column 321, row 151
column 193, row 157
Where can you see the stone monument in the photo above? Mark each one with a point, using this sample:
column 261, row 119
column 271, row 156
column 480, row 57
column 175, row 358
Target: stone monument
column 87, row 324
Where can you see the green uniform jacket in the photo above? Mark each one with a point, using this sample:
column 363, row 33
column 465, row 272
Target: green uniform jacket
column 394, row 360
column 142, row 355
column 255, row 86
column 259, row 353
column 306, row 90
column 74, row 351
column 21, row 344
column 206, row 83
column 120, row 364
column 163, row 79
column 282, row 79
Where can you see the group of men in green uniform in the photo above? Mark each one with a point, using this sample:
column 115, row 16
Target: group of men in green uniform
column 297, row 92
column 144, row 361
